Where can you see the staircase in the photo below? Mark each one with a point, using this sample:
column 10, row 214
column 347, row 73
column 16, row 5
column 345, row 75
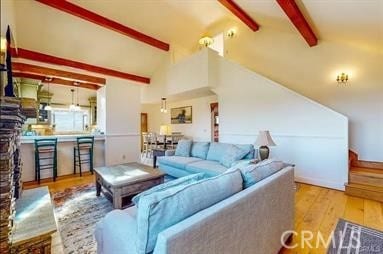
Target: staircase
column 365, row 178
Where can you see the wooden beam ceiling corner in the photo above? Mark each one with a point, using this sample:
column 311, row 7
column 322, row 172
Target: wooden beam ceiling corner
column 296, row 17
column 240, row 13
column 45, row 58
column 39, row 70
column 95, row 18
column 55, row 80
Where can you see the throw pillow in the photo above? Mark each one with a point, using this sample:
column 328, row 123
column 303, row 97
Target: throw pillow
column 200, row 149
column 161, row 210
column 184, row 148
column 161, row 187
column 232, row 154
column 254, row 173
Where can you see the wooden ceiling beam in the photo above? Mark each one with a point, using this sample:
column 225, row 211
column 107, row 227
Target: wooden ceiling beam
column 40, row 57
column 59, row 81
column 95, row 18
column 296, row 17
column 240, row 13
column 34, row 69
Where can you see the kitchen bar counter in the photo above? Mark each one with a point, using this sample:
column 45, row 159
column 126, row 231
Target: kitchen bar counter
column 60, row 138
column 65, row 144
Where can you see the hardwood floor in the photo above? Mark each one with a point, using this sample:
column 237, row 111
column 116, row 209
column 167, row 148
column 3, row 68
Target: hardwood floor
column 316, row 209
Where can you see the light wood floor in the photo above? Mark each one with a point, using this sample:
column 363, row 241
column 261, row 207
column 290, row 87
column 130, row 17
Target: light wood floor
column 316, row 209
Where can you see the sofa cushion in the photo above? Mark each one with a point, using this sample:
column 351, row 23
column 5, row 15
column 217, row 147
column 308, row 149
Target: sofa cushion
column 118, row 226
column 200, row 149
column 231, row 154
column 163, row 209
column 176, row 161
column 254, row 173
column 216, row 151
column 184, row 148
column 249, row 148
column 169, row 184
column 209, row 167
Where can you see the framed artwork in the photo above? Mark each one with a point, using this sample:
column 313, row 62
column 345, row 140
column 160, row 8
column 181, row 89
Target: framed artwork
column 182, row 115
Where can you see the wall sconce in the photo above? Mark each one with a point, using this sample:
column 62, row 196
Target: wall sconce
column 231, row 33
column 206, row 41
column 163, row 105
column 342, row 78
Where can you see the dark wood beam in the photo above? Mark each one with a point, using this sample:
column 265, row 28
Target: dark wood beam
column 95, row 18
column 58, row 81
column 40, row 57
column 295, row 15
column 240, row 13
column 34, row 69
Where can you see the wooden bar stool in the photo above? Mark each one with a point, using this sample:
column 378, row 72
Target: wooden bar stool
column 83, row 148
column 45, row 156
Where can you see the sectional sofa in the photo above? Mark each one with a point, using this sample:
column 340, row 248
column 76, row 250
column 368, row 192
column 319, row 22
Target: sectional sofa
column 204, row 157
column 247, row 209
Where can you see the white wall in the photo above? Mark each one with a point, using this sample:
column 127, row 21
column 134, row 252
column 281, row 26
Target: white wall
column 285, row 57
column 122, row 122
column 307, row 134
column 8, row 17
column 199, row 130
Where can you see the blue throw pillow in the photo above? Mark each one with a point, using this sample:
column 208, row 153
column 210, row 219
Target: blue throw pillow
column 200, row 149
column 161, row 187
column 161, row 210
column 231, row 155
column 183, row 148
column 254, row 173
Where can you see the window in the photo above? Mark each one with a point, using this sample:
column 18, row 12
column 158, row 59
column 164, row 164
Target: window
column 66, row 120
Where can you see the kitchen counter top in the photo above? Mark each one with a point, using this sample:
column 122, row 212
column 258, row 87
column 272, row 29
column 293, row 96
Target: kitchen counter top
column 60, row 138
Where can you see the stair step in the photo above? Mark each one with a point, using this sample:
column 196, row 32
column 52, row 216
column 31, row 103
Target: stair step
column 366, row 176
column 365, row 191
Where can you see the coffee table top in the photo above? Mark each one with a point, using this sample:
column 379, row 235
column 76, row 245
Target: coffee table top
column 123, row 174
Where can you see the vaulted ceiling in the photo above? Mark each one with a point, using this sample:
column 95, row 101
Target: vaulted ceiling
column 181, row 23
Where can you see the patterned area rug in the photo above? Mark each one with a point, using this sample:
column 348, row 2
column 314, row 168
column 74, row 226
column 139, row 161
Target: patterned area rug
column 77, row 211
column 350, row 238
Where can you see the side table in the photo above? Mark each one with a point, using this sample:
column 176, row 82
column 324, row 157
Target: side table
column 157, row 152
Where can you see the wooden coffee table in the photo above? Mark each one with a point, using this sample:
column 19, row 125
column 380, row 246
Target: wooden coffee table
column 121, row 182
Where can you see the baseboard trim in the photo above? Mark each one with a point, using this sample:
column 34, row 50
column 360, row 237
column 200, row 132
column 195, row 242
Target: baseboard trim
column 321, row 183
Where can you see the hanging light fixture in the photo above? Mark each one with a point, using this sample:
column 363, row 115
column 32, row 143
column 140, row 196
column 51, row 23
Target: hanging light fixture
column 163, row 105
column 342, row 78
column 77, row 104
column 48, row 107
column 72, row 107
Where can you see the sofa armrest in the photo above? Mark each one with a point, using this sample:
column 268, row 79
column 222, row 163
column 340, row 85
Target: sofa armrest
column 170, row 152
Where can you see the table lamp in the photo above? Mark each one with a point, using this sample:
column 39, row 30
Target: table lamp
column 263, row 141
column 165, row 129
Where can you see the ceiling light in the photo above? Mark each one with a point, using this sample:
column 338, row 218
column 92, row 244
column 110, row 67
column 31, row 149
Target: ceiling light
column 163, row 105
column 206, row 41
column 342, row 78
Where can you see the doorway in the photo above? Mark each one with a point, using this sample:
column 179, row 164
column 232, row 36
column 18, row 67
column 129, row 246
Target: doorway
column 214, row 122
column 144, row 126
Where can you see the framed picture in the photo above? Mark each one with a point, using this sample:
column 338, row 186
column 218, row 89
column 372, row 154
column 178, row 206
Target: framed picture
column 181, row 115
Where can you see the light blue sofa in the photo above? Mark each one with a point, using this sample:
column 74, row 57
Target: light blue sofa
column 254, row 220
column 204, row 157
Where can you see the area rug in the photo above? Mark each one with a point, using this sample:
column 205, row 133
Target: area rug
column 351, row 238
column 77, row 211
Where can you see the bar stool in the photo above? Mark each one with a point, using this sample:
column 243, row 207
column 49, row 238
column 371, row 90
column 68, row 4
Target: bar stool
column 84, row 147
column 45, row 156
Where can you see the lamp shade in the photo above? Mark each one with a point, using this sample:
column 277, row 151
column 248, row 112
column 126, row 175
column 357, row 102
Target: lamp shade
column 264, row 139
column 165, row 129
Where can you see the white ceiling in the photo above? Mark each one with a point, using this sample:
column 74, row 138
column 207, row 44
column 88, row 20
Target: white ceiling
column 181, row 23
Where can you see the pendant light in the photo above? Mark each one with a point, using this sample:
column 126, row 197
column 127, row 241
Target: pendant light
column 163, row 105
column 77, row 104
column 48, row 107
column 72, row 107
